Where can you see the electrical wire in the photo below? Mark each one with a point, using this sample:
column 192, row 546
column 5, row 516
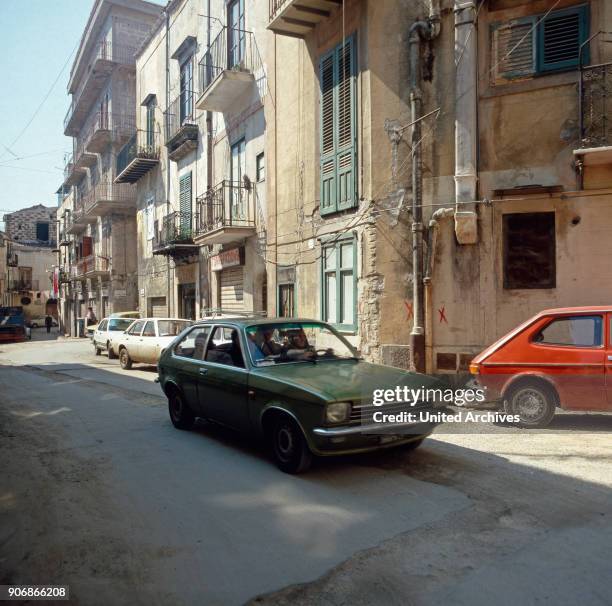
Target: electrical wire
column 40, row 105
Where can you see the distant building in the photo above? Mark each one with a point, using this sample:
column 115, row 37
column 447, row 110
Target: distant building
column 33, row 225
column 97, row 226
column 27, row 260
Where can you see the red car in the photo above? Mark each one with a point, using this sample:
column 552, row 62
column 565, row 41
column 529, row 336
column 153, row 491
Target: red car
column 560, row 358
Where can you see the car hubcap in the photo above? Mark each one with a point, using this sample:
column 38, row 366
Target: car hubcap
column 530, row 404
column 284, row 442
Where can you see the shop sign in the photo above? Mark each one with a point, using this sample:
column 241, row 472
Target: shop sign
column 227, row 258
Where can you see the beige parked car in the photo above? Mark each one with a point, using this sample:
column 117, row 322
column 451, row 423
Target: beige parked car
column 144, row 339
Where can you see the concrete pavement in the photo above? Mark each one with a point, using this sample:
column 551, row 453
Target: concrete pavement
column 100, row 492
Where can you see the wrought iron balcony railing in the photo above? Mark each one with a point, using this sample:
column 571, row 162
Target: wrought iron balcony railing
column 105, row 128
column 107, row 197
column 138, row 156
column 177, row 230
column 90, row 266
column 596, row 105
column 103, row 58
column 232, row 50
column 180, row 118
column 298, row 17
column 227, row 205
column 21, row 285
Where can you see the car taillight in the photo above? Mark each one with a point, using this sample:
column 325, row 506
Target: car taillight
column 474, row 368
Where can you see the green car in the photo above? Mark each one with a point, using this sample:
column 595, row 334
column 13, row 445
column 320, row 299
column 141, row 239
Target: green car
column 297, row 384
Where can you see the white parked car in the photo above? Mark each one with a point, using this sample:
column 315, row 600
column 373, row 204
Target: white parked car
column 105, row 330
column 145, row 339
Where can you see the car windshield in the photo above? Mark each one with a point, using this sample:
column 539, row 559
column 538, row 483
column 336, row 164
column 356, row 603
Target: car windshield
column 171, row 328
column 286, row 342
column 119, row 323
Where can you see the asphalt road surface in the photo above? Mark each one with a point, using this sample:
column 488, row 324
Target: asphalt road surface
column 99, row 492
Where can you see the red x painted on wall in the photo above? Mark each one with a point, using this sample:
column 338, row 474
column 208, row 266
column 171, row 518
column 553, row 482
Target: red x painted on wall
column 442, row 313
column 408, row 305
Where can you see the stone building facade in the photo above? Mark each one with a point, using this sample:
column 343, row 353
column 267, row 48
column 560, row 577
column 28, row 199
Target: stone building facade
column 101, row 221
column 453, row 131
column 198, row 161
column 32, row 225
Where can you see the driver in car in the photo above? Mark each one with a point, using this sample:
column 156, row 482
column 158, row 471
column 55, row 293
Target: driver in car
column 298, row 346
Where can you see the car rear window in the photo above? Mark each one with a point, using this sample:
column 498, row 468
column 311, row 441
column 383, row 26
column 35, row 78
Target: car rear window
column 171, row 328
column 576, row 331
column 119, row 323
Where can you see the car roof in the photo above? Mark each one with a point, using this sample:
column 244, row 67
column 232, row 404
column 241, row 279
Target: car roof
column 575, row 310
column 254, row 321
column 169, row 319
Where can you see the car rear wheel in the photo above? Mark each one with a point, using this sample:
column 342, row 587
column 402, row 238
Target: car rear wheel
column 124, row 359
column 289, row 447
column 181, row 415
column 533, row 403
column 109, row 349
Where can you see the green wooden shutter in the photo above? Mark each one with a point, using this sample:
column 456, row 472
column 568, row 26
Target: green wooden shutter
column 346, row 147
column 338, row 128
column 560, row 35
column 185, row 203
column 328, row 120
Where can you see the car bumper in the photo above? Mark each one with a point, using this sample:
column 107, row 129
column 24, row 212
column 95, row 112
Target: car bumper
column 327, row 441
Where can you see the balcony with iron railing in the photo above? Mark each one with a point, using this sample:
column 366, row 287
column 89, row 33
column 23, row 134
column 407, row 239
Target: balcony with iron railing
column 104, row 58
column 181, row 126
column 228, row 69
column 106, row 128
column 72, row 173
column 63, row 237
column 176, row 234
column 297, row 18
column 22, row 285
column 106, row 197
column 595, row 112
column 225, row 214
column 91, row 266
column 12, row 258
column 138, row 156
column 77, row 220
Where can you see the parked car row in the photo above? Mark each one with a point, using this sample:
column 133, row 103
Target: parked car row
column 141, row 340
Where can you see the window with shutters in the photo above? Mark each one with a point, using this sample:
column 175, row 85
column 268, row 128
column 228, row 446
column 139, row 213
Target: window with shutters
column 185, row 204
column 339, row 282
column 540, row 44
column 338, row 166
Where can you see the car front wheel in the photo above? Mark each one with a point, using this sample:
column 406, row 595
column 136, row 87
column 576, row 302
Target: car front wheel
column 181, row 415
column 125, row 360
column 289, row 447
column 111, row 353
column 533, row 403
column 98, row 350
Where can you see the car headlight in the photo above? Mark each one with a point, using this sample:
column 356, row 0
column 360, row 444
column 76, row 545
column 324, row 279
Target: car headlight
column 337, row 412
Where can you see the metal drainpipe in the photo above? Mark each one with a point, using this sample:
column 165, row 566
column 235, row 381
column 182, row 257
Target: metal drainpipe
column 209, row 160
column 419, row 31
column 436, row 217
column 170, row 301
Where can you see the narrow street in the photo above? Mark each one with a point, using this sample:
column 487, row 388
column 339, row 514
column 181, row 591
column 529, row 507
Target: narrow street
column 101, row 493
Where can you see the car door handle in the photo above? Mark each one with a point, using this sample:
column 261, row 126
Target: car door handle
column 203, row 371
column 609, row 358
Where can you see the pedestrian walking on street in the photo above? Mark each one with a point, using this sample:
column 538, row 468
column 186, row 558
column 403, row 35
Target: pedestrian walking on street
column 48, row 322
column 91, row 317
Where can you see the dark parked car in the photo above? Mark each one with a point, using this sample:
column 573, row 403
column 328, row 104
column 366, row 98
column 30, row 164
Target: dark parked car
column 298, row 384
